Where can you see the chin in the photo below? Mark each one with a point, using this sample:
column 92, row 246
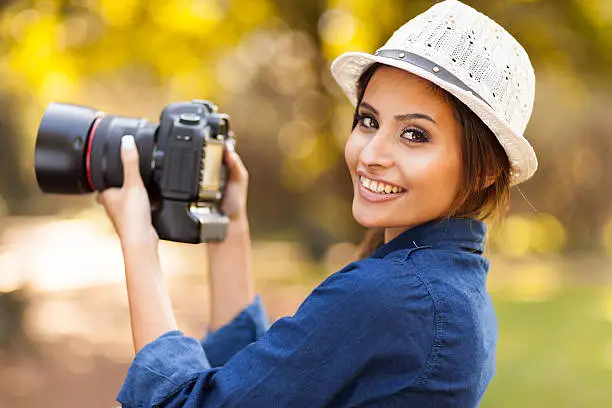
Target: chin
column 368, row 219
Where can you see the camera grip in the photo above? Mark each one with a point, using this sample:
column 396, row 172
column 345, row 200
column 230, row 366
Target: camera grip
column 182, row 222
column 173, row 222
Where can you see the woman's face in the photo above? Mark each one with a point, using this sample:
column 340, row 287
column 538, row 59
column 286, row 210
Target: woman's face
column 404, row 155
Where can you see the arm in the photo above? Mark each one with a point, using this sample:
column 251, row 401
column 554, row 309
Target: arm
column 151, row 311
column 128, row 208
column 351, row 325
column 232, row 287
column 237, row 316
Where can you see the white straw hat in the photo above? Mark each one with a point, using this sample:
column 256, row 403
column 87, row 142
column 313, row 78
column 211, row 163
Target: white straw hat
column 472, row 57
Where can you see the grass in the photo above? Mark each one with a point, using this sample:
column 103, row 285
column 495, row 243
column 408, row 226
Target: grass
column 554, row 353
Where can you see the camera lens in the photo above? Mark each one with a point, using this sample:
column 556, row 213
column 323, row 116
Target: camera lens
column 61, row 146
column 78, row 149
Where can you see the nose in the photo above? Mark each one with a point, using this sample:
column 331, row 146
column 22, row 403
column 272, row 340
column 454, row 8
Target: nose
column 378, row 152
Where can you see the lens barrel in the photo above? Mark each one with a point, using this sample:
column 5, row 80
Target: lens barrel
column 78, row 149
column 61, row 148
column 103, row 162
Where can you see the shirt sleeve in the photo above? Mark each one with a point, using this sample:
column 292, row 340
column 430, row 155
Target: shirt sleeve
column 248, row 326
column 348, row 325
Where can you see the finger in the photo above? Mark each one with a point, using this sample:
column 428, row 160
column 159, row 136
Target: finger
column 129, row 158
column 229, row 160
column 237, row 169
column 99, row 198
column 231, row 144
column 230, row 149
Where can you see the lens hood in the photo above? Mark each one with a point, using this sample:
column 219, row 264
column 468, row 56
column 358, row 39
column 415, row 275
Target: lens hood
column 60, row 148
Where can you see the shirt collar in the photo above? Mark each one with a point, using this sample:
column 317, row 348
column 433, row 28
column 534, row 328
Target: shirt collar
column 462, row 233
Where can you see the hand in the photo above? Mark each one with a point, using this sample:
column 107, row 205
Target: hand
column 235, row 195
column 128, row 207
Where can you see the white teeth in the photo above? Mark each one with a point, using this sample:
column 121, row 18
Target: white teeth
column 379, row 187
column 365, row 182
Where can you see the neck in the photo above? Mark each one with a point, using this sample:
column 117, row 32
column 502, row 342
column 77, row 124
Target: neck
column 391, row 233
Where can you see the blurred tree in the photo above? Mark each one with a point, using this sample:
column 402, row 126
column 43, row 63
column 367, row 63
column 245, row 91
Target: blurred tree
column 14, row 190
column 12, row 311
column 266, row 63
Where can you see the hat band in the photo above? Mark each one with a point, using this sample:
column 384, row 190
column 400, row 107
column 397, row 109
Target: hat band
column 428, row 65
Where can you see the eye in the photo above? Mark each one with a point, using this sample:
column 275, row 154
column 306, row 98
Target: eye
column 415, row 135
column 367, row 122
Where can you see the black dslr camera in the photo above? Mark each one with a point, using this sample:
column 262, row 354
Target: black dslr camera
column 181, row 162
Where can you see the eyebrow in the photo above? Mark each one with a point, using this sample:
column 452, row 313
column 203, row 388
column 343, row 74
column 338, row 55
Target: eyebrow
column 407, row 116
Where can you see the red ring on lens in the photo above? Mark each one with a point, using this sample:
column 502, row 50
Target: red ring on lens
column 92, row 133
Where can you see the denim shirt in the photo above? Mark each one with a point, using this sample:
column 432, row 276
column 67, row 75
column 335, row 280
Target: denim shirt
column 410, row 326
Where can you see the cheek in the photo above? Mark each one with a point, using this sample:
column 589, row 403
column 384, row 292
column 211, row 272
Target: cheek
column 437, row 172
column 351, row 152
column 446, row 176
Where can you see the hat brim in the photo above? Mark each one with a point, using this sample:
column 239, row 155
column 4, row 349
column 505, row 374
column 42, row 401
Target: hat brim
column 348, row 68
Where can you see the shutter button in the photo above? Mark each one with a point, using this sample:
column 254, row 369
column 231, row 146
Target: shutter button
column 189, row 119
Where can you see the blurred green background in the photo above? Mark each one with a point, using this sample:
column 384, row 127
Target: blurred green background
column 64, row 330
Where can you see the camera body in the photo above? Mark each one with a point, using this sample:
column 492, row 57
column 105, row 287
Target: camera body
column 180, row 159
column 187, row 166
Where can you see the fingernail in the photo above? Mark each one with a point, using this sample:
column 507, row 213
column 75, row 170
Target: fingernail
column 231, row 146
column 128, row 143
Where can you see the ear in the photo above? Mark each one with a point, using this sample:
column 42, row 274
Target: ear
column 488, row 181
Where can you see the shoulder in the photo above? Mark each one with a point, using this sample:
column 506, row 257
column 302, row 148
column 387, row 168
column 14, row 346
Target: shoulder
column 451, row 282
column 376, row 277
column 431, row 259
column 382, row 304
column 454, row 279
column 449, row 269
column 381, row 290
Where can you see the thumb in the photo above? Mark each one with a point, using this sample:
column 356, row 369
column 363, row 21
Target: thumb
column 129, row 159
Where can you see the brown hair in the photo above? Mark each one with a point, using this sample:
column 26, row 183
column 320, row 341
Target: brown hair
column 484, row 192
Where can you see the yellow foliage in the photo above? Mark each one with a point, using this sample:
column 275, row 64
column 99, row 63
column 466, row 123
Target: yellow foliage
column 337, row 27
column 192, row 84
column 119, row 13
column 552, row 237
column 42, row 61
column 360, row 40
column 38, row 46
column 520, row 236
column 516, row 234
column 58, row 85
column 353, row 25
column 598, row 11
column 194, row 17
column 253, row 12
column 298, row 174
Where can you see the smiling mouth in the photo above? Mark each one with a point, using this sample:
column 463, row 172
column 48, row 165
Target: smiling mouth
column 379, row 187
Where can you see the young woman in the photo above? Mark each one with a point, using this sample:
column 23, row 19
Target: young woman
column 436, row 144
